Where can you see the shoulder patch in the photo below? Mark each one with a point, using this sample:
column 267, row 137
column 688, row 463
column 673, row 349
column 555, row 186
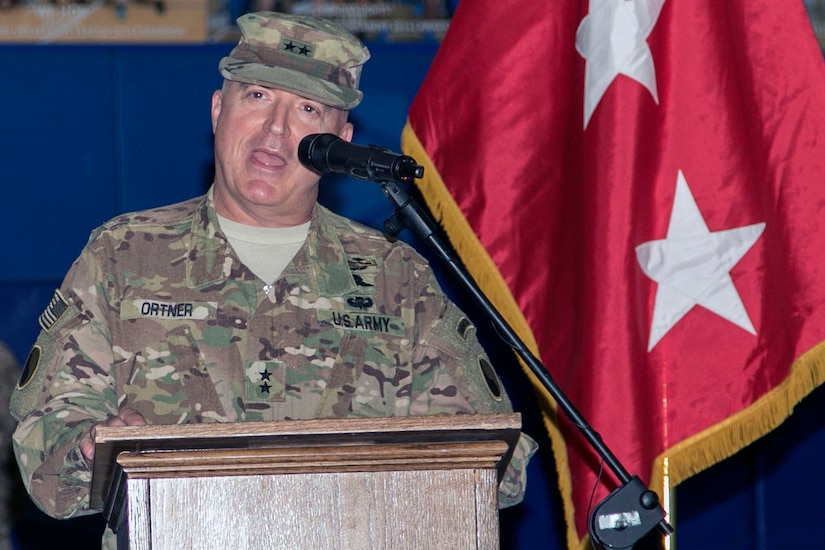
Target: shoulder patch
column 463, row 328
column 32, row 361
column 491, row 377
column 56, row 308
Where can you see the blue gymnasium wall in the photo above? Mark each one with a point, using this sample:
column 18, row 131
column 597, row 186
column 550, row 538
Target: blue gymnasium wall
column 90, row 132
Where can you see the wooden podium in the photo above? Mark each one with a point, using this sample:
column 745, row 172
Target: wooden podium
column 422, row 482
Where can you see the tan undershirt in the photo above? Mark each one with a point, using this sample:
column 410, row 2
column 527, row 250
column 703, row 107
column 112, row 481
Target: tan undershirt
column 266, row 251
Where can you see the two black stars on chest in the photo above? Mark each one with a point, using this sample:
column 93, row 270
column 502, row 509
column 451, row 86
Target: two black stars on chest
column 265, row 379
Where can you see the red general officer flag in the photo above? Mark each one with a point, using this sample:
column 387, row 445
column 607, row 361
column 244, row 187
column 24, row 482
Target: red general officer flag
column 639, row 186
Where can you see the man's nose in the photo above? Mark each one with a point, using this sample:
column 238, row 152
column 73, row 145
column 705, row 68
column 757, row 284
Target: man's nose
column 278, row 121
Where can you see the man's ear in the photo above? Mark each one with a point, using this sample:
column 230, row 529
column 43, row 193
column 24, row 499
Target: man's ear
column 346, row 131
column 217, row 100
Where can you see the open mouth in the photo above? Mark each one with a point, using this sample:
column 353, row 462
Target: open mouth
column 268, row 159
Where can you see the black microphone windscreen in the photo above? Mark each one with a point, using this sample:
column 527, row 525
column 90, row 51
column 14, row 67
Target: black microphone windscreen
column 312, row 151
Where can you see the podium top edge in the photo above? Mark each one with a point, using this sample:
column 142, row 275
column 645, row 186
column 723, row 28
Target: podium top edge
column 330, row 426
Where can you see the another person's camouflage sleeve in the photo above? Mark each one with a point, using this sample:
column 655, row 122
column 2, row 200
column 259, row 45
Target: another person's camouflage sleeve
column 514, row 482
column 9, row 373
column 63, row 391
column 461, row 379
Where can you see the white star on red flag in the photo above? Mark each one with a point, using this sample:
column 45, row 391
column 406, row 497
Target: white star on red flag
column 692, row 266
column 612, row 37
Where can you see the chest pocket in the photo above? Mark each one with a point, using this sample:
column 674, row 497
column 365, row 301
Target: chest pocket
column 168, row 383
column 336, row 400
column 370, row 377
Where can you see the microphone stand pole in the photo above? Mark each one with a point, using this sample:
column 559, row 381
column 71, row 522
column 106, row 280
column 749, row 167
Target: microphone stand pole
column 630, row 511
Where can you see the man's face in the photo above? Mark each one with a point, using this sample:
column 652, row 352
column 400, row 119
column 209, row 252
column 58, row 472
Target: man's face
column 258, row 177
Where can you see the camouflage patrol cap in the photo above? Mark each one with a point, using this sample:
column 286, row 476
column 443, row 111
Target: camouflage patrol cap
column 310, row 57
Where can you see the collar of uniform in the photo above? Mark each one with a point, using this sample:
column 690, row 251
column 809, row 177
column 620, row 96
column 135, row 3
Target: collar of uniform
column 321, row 262
column 210, row 259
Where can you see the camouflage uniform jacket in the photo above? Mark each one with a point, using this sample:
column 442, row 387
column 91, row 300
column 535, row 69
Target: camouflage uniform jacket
column 158, row 314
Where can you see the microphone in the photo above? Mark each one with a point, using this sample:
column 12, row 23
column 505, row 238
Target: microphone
column 324, row 153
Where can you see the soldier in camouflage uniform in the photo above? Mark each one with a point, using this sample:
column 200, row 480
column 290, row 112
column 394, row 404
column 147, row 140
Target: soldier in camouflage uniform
column 251, row 303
